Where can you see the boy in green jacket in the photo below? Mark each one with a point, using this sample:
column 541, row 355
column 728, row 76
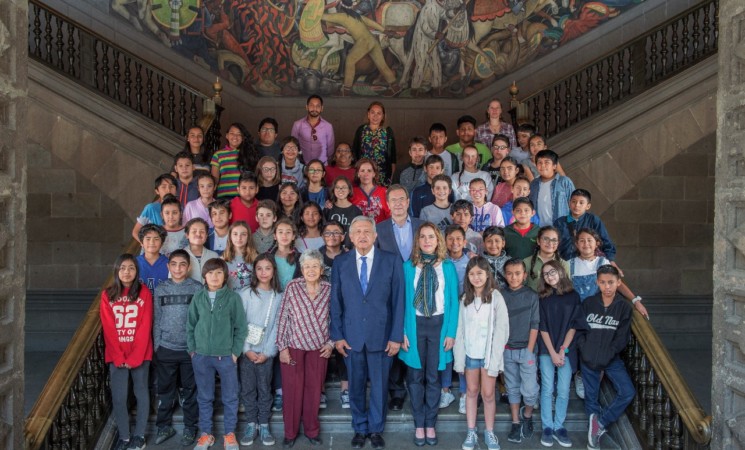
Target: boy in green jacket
column 216, row 329
column 520, row 236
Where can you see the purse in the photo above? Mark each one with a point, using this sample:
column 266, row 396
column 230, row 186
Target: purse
column 256, row 333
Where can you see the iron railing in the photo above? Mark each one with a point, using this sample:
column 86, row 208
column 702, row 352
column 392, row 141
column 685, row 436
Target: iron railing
column 98, row 64
column 664, row 51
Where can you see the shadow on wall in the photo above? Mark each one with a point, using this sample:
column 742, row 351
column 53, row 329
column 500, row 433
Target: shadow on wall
column 430, row 48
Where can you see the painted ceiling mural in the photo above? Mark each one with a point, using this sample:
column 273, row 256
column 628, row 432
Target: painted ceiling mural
column 405, row 48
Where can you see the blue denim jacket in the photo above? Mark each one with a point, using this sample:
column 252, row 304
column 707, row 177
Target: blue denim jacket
column 561, row 189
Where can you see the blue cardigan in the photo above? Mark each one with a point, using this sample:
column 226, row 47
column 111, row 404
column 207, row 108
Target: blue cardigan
column 450, row 318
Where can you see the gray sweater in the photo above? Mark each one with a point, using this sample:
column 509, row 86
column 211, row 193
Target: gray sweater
column 256, row 307
column 522, row 308
column 170, row 310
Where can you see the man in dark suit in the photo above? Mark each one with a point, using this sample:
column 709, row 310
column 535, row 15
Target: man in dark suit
column 396, row 235
column 367, row 322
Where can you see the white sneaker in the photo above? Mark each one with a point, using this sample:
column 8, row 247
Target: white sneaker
column 446, row 398
column 579, row 385
column 462, row 404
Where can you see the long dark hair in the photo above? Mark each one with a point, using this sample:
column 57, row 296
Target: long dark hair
column 564, row 286
column 293, row 256
column 116, row 288
column 533, row 259
column 204, row 156
column 469, row 293
column 248, row 157
column 301, row 227
column 274, row 283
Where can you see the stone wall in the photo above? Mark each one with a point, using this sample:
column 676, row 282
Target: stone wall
column 663, row 227
column 13, row 93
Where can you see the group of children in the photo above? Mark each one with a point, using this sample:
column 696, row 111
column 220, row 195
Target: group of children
column 219, row 245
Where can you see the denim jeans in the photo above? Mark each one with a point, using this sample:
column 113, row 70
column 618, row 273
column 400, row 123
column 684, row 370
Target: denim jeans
column 554, row 419
column 619, row 377
column 205, row 368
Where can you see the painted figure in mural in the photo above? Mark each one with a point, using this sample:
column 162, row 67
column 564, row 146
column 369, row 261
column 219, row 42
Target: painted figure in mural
column 144, row 14
column 217, row 30
column 423, row 54
column 365, row 44
column 262, row 26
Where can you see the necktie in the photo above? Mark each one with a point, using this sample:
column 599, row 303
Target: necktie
column 363, row 274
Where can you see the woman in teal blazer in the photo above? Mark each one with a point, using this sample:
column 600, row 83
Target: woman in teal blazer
column 430, row 324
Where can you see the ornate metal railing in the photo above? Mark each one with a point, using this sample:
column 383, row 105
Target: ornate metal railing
column 676, row 45
column 97, row 63
column 76, row 401
column 664, row 413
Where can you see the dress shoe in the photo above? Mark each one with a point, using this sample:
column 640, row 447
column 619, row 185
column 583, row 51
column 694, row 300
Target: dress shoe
column 288, row 443
column 376, row 440
column 431, row 440
column 419, row 442
column 314, row 441
column 358, row 441
column 396, row 404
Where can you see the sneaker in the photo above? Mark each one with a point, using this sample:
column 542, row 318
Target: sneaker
column 516, row 433
column 250, row 435
column 462, row 404
column 472, row 440
column 164, row 434
column 527, row 424
column 345, row 399
column 205, row 441
column 189, row 436
column 594, row 432
column 446, row 398
column 323, row 404
column 137, row 443
column 579, row 386
column 277, row 404
column 492, row 443
column 562, row 437
column 229, row 442
column 121, row 444
column 265, row 435
column 547, row 438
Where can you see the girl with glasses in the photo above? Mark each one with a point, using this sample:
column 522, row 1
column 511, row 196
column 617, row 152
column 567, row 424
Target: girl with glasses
column 546, row 248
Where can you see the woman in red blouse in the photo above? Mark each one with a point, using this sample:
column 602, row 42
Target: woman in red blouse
column 368, row 195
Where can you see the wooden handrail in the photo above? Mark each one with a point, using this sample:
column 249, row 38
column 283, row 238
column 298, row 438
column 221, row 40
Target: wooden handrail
column 45, row 410
column 695, row 419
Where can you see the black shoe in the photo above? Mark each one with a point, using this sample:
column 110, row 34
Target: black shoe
column 377, row 440
column 419, row 442
column 527, row 424
column 358, row 441
column 396, row 404
column 516, row 434
column 288, row 443
column 431, row 440
column 314, row 441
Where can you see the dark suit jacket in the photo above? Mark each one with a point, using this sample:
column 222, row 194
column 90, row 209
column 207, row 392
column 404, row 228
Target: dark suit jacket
column 371, row 319
column 387, row 240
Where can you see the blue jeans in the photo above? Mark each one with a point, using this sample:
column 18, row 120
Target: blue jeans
column 205, row 368
column 619, row 377
column 554, row 419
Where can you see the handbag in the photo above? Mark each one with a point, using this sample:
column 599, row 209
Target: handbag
column 256, row 333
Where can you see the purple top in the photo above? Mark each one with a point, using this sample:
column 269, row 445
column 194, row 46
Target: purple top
column 320, row 148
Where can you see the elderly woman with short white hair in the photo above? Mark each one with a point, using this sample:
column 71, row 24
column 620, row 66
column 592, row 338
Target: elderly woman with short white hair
column 304, row 348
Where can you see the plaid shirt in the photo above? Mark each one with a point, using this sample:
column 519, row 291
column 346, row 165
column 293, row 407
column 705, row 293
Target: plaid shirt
column 485, row 136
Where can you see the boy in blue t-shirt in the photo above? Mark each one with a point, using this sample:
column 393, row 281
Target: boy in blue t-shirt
column 165, row 184
column 579, row 217
column 153, row 266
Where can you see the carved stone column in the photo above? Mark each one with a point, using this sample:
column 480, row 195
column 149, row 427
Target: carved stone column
column 728, row 380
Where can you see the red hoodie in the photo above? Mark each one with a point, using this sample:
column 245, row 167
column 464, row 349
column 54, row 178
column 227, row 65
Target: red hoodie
column 127, row 328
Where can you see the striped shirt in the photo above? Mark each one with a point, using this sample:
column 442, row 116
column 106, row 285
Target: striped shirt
column 226, row 162
column 303, row 321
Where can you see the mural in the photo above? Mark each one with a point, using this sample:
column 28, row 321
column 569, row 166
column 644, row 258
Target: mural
column 405, row 48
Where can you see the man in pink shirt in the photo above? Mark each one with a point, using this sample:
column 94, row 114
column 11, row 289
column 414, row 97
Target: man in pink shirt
column 316, row 135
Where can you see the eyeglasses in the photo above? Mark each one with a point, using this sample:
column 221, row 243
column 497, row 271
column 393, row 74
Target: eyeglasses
column 267, row 130
column 548, row 240
column 315, row 170
column 269, row 169
column 500, row 147
column 332, row 233
column 550, row 273
column 343, row 150
column 313, row 134
column 290, row 147
column 341, row 188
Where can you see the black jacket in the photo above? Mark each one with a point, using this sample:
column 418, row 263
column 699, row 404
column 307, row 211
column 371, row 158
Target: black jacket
column 607, row 330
